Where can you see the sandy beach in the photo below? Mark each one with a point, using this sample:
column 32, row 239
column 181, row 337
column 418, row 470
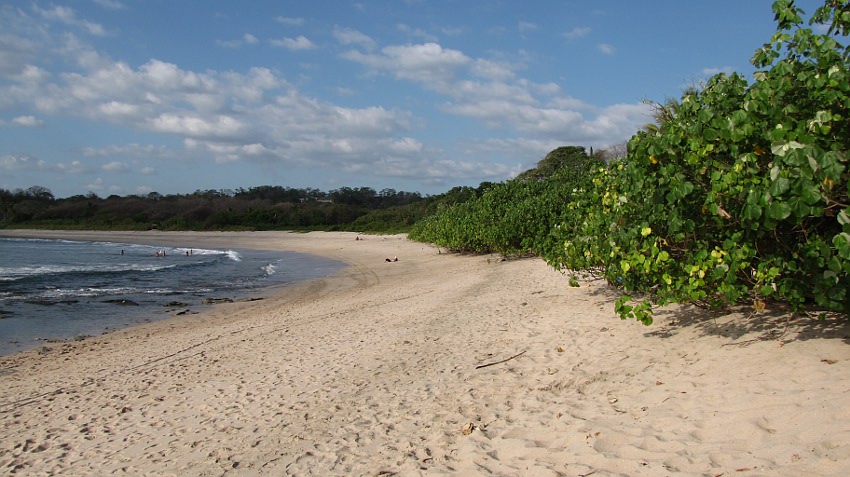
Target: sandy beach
column 438, row 364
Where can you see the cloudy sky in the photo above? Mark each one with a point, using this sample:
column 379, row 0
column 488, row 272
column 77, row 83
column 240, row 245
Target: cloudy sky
column 129, row 97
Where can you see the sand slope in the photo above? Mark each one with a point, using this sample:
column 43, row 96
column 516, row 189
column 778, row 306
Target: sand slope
column 384, row 369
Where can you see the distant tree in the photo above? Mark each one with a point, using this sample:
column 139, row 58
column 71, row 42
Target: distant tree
column 39, row 193
column 7, row 201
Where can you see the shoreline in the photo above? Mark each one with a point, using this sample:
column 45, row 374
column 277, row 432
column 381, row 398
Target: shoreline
column 147, row 307
column 436, row 364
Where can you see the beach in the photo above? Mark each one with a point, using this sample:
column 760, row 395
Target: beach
column 435, row 364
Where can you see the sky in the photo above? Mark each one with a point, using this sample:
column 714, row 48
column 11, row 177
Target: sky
column 131, row 97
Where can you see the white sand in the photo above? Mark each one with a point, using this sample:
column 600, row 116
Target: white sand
column 374, row 372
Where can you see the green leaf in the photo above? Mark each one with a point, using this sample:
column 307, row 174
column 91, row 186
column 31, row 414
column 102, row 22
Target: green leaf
column 779, row 186
column 810, row 194
column 752, row 212
column 780, row 148
column 843, row 218
column 778, row 210
column 842, row 245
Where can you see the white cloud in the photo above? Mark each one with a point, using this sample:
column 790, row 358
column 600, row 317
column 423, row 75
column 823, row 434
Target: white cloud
column 21, row 162
column 493, row 70
column 577, row 32
column 427, row 63
column 115, row 166
column 415, row 32
column 137, row 150
column 27, row 121
column 67, row 16
column 524, row 26
column 347, row 36
column 290, row 21
column 117, row 108
column 257, row 116
column 110, row 4
column 247, row 39
column 294, row 44
column 606, row 49
column 193, row 125
column 75, row 167
column 96, row 186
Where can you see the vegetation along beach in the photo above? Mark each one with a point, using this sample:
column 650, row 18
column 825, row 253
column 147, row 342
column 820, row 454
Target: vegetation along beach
column 677, row 305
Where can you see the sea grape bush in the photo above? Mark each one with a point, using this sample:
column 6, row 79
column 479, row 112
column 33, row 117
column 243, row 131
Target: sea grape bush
column 739, row 193
column 514, row 217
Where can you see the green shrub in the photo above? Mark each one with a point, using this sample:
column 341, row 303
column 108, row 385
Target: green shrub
column 741, row 191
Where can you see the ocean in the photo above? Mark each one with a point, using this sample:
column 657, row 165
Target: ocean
column 62, row 289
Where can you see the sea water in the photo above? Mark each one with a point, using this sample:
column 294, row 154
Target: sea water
column 62, row 289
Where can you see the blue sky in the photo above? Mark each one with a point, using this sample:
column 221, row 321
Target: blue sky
column 130, row 97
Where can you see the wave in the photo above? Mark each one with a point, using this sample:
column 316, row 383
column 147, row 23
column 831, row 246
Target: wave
column 269, row 268
column 19, row 273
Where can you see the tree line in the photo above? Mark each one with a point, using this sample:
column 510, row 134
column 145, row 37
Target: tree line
column 258, row 208
column 267, row 207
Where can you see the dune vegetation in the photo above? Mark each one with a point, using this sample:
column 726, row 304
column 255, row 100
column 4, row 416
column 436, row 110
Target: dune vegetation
column 738, row 193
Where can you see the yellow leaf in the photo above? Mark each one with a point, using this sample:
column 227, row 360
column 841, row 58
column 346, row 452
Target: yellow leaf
column 828, row 183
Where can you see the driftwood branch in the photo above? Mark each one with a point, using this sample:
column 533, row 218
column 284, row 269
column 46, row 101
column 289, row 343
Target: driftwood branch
column 500, row 362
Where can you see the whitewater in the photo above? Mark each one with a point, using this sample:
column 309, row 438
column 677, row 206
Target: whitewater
column 62, row 289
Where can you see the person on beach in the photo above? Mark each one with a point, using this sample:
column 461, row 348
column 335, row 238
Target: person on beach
column 394, row 259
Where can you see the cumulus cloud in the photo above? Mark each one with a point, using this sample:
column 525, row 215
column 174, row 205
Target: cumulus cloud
column 348, row 36
column 110, row 4
column 289, row 21
column 525, row 26
column 493, row 70
column 67, row 16
column 294, row 44
column 21, row 162
column 418, row 33
column 194, row 125
column 247, row 39
column 258, row 116
column 500, row 99
column 424, row 63
column 577, row 32
column 24, row 121
column 74, row 167
column 137, row 150
column 606, row 49
column 115, row 166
